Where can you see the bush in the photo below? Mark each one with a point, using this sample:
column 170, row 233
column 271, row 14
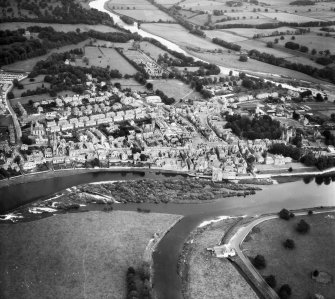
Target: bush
column 271, row 281
column 289, row 244
column 315, row 273
column 284, row 291
column 243, row 58
column 302, row 227
column 259, row 262
column 285, row 214
column 310, row 212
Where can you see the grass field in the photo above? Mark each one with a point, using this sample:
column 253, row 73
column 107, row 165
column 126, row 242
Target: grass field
column 175, row 89
column 58, row 27
column 250, row 32
column 211, row 277
column 28, row 64
column 312, row 251
column 227, row 36
column 141, row 10
column 153, row 50
column 179, row 35
column 130, row 83
column 39, row 80
column 76, row 255
column 287, row 17
column 102, row 57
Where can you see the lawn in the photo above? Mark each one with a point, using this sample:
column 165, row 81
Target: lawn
column 141, row 10
column 175, row 89
column 179, row 35
column 209, row 276
column 39, row 81
column 153, row 51
column 102, row 57
column 130, row 83
column 75, row 255
column 28, row 64
column 312, row 251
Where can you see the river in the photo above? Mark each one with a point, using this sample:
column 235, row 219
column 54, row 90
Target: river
column 167, row 283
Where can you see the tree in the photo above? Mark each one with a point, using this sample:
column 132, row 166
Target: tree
column 284, row 214
column 243, row 58
column 149, row 86
column 313, row 52
column 271, row 281
column 302, row 227
column 289, row 244
column 259, row 262
column 284, row 292
column 10, row 95
column 269, row 44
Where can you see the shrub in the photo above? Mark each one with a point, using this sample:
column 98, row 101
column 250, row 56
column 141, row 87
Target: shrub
column 310, row 212
column 284, row 214
column 315, row 273
column 243, row 58
column 289, row 244
column 284, row 291
column 271, row 281
column 302, row 227
column 259, row 262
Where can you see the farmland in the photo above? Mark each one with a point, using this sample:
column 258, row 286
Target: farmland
column 86, row 257
column 102, row 57
column 140, row 10
column 179, row 35
column 295, row 267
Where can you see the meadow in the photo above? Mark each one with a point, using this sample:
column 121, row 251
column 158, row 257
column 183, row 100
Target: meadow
column 75, row 255
column 179, row 35
column 39, row 82
column 294, row 267
column 153, row 50
column 102, row 57
column 140, row 10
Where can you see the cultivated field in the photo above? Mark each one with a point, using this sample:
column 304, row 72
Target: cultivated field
column 141, row 10
column 179, row 35
column 313, row 251
column 58, row 27
column 28, row 64
column 176, row 89
column 209, row 276
column 103, row 57
column 75, row 255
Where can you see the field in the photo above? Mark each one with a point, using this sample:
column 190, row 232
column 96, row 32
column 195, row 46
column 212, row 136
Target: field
column 141, row 10
column 58, row 27
column 175, row 89
column 209, row 276
column 102, row 57
column 153, row 51
column 28, row 64
column 76, row 255
column 179, row 35
column 39, row 81
column 130, row 83
column 287, row 17
column 250, row 32
column 227, row 36
column 312, row 251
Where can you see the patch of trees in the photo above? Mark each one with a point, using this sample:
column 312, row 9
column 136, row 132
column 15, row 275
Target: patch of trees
column 286, row 150
column 127, row 20
column 327, row 73
column 285, row 214
column 289, row 244
column 302, row 227
column 8, row 173
column 165, row 99
column 302, row 2
column 259, row 262
column 255, row 83
column 296, row 46
column 260, row 127
column 225, row 44
column 322, row 162
column 284, row 292
column 65, row 12
column 138, row 283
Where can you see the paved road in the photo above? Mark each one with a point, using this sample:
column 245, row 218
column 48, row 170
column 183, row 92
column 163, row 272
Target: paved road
column 239, row 237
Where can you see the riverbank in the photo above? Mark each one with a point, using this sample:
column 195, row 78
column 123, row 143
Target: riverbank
column 206, row 276
column 89, row 260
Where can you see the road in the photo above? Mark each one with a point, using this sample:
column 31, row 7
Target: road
column 237, row 240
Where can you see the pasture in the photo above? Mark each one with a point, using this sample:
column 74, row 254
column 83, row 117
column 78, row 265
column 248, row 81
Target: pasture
column 222, row 34
column 250, row 32
column 153, row 50
column 102, row 57
column 295, row 267
column 288, row 17
column 75, row 255
column 140, row 10
column 179, row 35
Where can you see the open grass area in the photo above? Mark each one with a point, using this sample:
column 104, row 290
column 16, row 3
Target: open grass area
column 28, row 64
column 175, row 89
column 140, row 10
column 226, row 36
column 179, row 35
column 153, row 51
column 209, row 276
column 102, row 57
column 130, row 83
column 313, row 251
column 79, row 255
column 39, row 82
column 58, row 27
